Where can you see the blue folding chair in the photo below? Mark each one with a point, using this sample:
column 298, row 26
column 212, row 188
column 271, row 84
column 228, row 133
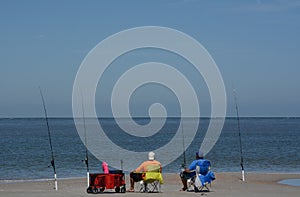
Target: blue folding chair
column 203, row 177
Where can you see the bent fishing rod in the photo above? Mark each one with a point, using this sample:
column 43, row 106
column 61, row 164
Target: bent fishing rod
column 50, row 142
column 240, row 138
column 86, row 159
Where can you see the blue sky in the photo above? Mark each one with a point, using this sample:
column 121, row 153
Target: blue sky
column 255, row 44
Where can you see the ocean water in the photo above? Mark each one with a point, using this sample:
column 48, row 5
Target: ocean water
column 269, row 145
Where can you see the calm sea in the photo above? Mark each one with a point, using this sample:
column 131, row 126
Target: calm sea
column 269, row 145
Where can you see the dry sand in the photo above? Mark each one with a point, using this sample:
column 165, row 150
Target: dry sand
column 226, row 184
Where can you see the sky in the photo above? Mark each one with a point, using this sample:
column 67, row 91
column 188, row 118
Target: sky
column 255, row 45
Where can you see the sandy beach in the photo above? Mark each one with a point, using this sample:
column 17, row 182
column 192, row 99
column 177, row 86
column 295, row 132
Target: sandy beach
column 226, row 184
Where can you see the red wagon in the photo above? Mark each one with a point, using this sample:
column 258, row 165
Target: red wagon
column 101, row 182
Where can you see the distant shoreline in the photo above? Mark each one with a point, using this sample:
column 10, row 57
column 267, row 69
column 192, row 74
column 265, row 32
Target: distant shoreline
column 145, row 117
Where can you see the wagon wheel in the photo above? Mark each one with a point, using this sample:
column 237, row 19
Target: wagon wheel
column 123, row 190
column 117, row 189
column 102, row 189
column 95, row 190
column 89, row 190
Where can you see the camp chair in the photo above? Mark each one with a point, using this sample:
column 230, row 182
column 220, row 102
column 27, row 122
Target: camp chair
column 152, row 180
column 203, row 178
column 203, row 182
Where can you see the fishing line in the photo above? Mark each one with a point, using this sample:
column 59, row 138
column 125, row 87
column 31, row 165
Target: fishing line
column 50, row 142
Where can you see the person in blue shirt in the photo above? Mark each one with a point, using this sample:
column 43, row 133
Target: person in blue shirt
column 190, row 171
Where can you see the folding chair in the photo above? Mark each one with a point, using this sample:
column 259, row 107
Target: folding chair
column 152, row 180
column 203, row 182
column 203, row 177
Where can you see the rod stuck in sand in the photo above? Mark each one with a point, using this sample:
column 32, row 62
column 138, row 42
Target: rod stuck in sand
column 240, row 138
column 86, row 159
column 50, row 142
column 183, row 148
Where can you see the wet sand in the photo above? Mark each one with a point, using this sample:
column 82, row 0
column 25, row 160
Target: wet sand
column 226, row 184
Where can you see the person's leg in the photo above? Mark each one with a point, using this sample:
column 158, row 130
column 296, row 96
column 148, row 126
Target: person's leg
column 131, row 181
column 183, row 176
column 134, row 177
column 184, row 183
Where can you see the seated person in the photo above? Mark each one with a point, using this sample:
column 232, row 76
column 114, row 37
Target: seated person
column 190, row 171
column 146, row 166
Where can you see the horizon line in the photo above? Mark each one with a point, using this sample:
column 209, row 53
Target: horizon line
column 109, row 117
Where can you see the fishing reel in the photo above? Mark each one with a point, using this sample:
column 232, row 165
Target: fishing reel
column 183, row 167
column 85, row 160
column 51, row 164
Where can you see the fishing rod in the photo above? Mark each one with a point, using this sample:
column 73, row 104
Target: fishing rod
column 240, row 138
column 122, row 164
column 86, row 159
column 183, row 146
column 49, row 136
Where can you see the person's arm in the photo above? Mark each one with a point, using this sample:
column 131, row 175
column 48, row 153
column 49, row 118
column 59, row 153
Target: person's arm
column 191, row 167
column 140, row 168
